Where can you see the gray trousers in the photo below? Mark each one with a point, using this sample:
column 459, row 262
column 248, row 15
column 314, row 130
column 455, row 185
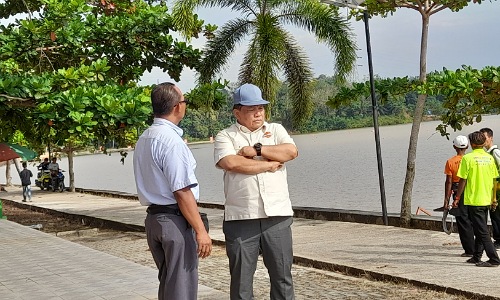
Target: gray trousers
column 273, row 236
column 173, row 246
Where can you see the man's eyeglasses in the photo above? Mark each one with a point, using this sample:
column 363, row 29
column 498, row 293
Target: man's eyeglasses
column 184, row 101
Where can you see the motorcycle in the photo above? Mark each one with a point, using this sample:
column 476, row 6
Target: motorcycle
column 45, row 180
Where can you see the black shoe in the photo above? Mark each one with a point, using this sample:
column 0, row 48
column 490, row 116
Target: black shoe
column 466, row 255
column 439, row 209
column 487, row 264
column 24, row 200
column 473, row 260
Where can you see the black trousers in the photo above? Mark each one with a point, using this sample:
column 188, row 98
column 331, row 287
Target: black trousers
column 464, row 225
column 479, row 218
column 495, row 223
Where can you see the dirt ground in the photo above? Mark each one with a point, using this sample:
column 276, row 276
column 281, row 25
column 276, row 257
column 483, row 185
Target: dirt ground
column 213, row 272
column 50, row 223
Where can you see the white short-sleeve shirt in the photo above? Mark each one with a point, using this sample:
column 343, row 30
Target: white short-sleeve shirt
column 163, row 164
column 53, row 166
column 253, row 196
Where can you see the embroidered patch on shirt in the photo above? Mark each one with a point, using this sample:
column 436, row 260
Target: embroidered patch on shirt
column 267, row 134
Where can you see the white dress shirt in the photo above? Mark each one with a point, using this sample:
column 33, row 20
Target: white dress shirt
column 253, row 196
column 163, row 164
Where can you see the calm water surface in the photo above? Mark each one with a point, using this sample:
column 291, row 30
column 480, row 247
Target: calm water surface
column 336, row 169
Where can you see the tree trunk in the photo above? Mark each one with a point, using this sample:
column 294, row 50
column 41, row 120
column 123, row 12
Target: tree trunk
column 417, row 119
column 71, row 171
column 17, row 163
column 8, row 178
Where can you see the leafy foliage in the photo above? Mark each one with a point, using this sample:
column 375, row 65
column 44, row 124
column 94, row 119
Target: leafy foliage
column 469, row 94
column 76, row 102
column 388, row 7
column 133, row 36
column 68, row 71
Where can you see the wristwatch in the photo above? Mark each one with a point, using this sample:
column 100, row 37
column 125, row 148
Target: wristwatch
column 258, row 148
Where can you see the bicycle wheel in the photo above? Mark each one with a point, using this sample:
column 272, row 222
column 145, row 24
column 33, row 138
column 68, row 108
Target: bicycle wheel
column 447, row 222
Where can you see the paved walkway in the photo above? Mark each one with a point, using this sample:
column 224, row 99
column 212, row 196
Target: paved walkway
column 425, row 258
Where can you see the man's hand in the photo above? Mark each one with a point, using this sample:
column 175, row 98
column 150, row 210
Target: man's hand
column 247, row 151
column 187, row 205
column 274, row 166
column 455, row 202
column 494, row 204
column 204, row 244
column 446, row 203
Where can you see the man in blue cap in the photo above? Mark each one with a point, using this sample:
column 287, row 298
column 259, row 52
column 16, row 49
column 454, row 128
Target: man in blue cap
column 258, row 211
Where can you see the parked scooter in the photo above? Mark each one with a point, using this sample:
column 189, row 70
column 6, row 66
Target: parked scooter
column 44, row 180
column 58, row 182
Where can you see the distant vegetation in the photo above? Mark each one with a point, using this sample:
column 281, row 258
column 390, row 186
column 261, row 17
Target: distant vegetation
column 199, row 125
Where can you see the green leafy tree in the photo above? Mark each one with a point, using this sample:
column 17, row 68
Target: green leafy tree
column 389, row 93
column 132, row 35
column 70, row 68
column 88, row 108
column 208, row 99
column 469, row 93
column 271, row 48
column 426, row 9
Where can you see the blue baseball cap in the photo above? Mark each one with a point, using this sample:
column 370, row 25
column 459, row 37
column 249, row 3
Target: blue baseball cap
column 248, row 95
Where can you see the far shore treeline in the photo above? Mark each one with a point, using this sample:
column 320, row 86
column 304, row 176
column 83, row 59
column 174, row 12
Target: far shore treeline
column 201, row 125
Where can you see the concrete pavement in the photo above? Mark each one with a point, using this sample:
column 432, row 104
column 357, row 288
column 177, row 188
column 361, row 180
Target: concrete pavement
column 36, row 265
column 425, row 258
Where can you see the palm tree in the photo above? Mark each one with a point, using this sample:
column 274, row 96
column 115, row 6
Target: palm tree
column 272, row 50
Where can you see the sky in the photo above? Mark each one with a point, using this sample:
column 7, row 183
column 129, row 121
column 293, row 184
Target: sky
column 468, row 37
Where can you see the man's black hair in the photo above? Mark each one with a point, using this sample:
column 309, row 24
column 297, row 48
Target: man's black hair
column 477, row 138
column 487, row 130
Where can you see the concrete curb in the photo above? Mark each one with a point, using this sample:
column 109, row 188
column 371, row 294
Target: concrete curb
column 352, row 271
column 315, row 213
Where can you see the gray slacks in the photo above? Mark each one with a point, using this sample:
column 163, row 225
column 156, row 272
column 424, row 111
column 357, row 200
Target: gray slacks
column 244, row 238
column 173, row 246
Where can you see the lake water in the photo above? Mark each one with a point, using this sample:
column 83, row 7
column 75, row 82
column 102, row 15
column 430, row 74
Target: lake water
column 336, row 169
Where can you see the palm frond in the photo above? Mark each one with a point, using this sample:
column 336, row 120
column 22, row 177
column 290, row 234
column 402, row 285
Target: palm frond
column 330, row 28
column 264, row 57
column 219, row 49
column 300, row 78
column 269, row 44
column 185, row 21
column 243, row 6
column 247, row 67
column 182, row 17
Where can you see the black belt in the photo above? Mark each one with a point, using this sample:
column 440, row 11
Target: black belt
column 173, row 209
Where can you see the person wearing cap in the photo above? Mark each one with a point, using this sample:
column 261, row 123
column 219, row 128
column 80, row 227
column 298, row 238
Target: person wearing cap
column 478, row 174
column 257, row 212
column 465, row 231
column 494, row 213
column 164, row 172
